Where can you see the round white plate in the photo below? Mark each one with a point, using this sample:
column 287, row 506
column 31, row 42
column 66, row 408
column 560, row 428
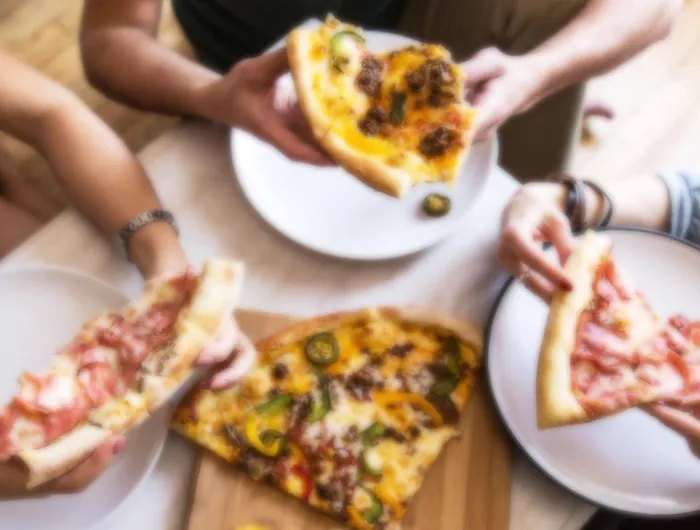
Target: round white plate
column 628, row 463
column 331, row 212
column 40, row 310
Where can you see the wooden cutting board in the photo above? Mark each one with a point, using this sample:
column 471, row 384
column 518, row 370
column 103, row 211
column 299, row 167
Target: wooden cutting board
column 468, row 488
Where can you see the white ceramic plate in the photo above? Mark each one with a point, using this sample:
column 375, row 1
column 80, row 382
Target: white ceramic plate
column 331, row 212
column 40, row 310
column 629, row 462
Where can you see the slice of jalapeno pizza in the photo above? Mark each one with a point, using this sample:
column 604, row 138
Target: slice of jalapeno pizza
column 347, row 411
column 393, row 119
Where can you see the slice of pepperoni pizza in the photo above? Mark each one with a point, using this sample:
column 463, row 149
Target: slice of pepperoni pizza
column 117, row 370
column 604, row 350
column 394, row 119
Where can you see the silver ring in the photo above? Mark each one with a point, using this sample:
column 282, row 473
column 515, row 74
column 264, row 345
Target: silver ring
column 523, row 276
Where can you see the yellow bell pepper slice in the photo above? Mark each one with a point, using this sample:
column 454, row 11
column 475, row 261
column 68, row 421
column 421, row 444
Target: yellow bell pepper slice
column 253, row 435
column 391, row 397
column 357, row 520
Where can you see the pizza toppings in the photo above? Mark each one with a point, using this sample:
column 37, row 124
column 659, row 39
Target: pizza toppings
column 436, row 205
column 438, row 142
column 322, row 348
column 342, row 426
column 338, row 59
column 369, row 80
column 398, row 108
column 372, row 123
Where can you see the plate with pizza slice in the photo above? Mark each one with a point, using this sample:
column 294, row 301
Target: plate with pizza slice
column 571, row 380
column 81, row 363
column 391, row 113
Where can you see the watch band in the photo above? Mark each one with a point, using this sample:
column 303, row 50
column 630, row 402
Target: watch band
column 144, row 219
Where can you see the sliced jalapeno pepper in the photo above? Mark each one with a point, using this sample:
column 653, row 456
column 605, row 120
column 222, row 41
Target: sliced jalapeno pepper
column 267, row 443
column 397, row 111
column 453, row 356
column 367, row 467
column 321, row 406
column 375, row 510
column 277, row 404
column 371, row 434
column 337, row 60
column 436, row 205
column 445, row 387
column 323, row 348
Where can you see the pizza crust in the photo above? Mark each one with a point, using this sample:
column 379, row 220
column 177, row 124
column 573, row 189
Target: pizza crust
column 298, row 50
column 213, row 302
column 63, row 455
column 556, row 403
column 466, row 331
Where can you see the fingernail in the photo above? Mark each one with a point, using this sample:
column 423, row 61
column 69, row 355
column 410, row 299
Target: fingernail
column 118, row 445
column 205, row 359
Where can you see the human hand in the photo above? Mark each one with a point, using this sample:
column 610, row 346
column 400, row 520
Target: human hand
column 250, row 97
column 13, row 477
column 231, row 356
column 531, row 219
column 499, row 86
column 684, row 423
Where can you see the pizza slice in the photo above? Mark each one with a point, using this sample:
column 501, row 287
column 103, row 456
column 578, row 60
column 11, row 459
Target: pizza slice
column 117, row 370
column 604, row 351
column 394, row 119
column 346, row 412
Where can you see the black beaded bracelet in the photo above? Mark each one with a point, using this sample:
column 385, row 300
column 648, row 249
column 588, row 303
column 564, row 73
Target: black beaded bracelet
column 607, row 201
column 142, row 220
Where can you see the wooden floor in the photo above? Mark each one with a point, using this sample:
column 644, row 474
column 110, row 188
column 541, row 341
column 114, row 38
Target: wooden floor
column 43, row 33
column 656, row 96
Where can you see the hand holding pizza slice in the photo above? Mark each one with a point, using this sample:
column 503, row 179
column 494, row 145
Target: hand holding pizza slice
column 605, row 351
column 394, row 119
column 118, row 369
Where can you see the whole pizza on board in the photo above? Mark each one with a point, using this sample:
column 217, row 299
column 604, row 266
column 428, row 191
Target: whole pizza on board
column 347, row 411
column 605, row 350
column 393, row 119
column 118, row 369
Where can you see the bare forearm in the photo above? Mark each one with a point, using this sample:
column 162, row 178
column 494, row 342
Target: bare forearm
column 605, row 34
column 135, row 69
column 106, row 183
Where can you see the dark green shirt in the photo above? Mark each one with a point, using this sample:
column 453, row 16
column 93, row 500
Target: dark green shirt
column 223, row 32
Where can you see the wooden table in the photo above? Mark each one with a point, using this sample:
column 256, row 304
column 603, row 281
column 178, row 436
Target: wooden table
column 190, row 168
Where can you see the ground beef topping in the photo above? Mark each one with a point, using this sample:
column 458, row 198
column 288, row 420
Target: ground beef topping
column 369, row 80
column 372, row 123
column 437, row 142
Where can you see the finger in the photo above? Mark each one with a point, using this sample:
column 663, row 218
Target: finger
column 558, row 230
column 90, row 468
column 533, row 256
column 485, row 65
column 274, row 64
column 683, row 423
column 242, row 362
column 540, row 286
column 221, row 347
column 292, row 146
column 533, row 281
column 598, row 109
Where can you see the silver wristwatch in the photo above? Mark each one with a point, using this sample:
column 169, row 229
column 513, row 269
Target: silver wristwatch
column 142, row 220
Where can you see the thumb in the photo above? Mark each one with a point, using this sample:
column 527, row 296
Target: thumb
column 274, row 64
column 485, row 65
column 89, row 469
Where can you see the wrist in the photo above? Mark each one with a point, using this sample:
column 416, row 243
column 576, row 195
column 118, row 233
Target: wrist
column 541, row 72
column 156, row 251
column 206, row 99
